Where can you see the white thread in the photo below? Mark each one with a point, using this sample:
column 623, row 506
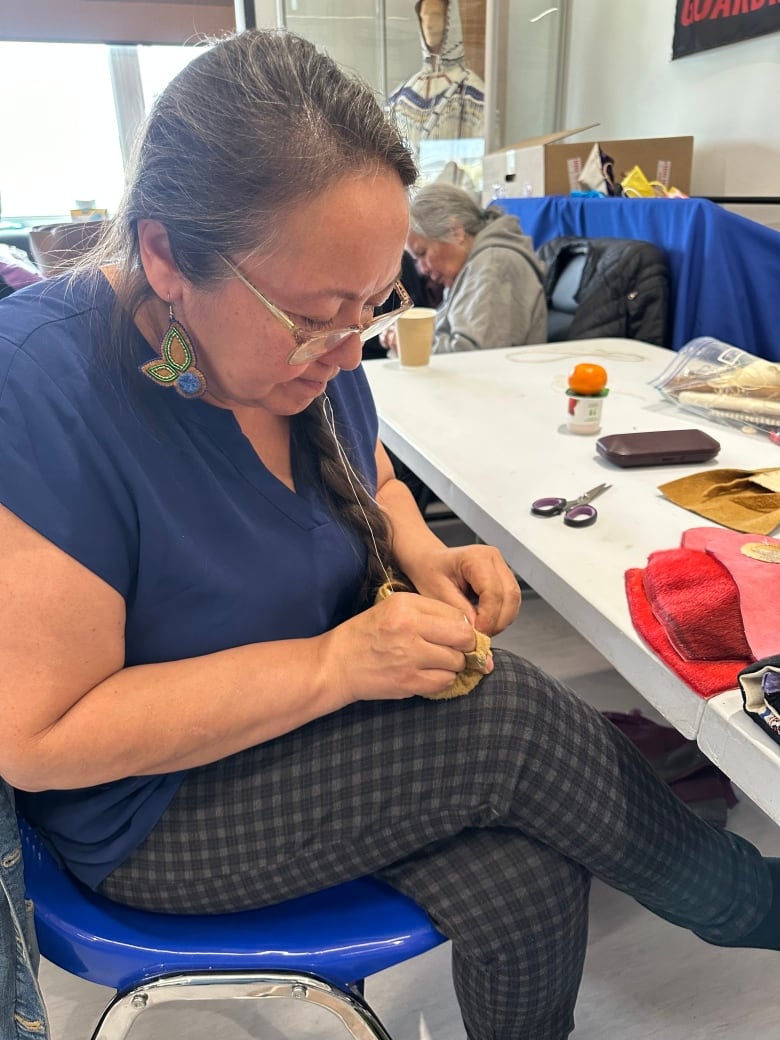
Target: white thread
column 327, row 411
column 527, row 356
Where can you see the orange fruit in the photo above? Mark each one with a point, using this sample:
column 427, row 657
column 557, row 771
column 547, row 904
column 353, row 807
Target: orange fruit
column 587, row 378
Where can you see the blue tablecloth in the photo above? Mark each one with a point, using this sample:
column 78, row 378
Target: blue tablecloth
column 725, row 269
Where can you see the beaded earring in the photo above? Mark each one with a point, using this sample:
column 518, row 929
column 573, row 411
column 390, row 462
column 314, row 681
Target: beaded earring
column 176, row 366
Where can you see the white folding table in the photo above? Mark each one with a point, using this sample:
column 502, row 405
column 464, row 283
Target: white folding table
column 486, row 432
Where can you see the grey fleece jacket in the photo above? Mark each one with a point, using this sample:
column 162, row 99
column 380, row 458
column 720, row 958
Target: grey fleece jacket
column 498, row 298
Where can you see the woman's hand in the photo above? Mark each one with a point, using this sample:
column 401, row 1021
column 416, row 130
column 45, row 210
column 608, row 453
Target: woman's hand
column 415, row 644
column 388, row 340
column 475, row 580
column 404, row 645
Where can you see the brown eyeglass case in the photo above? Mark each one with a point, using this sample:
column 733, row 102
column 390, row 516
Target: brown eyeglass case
column 657, row 447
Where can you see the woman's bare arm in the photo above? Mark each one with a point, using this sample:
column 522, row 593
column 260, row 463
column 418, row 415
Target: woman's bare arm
column 74, row 716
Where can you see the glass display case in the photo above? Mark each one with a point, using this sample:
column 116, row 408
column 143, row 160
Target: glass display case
column 380, row 40
column 516, row 46
column 528, row 56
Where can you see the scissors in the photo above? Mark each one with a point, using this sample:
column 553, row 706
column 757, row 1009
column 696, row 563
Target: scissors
column 577, row 512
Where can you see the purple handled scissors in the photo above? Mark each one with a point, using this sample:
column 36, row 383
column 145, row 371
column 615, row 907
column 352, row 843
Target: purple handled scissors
column 577, row 512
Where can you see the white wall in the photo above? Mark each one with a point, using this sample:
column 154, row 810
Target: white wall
column 620, row 74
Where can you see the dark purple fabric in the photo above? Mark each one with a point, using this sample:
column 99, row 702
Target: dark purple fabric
column 681, row 763
column 17, row 276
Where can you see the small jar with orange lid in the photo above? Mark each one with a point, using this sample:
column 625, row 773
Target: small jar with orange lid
column 587, row 388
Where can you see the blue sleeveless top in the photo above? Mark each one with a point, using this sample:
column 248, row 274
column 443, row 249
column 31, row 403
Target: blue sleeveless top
column 165, row 500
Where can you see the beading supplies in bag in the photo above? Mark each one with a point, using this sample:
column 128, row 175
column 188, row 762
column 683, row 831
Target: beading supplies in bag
column 724, row 384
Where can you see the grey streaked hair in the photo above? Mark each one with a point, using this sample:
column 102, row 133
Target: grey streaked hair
column 254, row 126
column 439, row 209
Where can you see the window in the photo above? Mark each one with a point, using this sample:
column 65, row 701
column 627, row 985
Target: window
column 62, row 131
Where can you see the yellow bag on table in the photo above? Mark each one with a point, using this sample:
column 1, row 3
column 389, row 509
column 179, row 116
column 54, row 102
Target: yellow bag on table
column 636, row 185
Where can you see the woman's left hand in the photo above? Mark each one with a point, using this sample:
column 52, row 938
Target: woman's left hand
column 473, row 578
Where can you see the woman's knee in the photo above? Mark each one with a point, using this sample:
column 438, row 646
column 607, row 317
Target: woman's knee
column 519, row 705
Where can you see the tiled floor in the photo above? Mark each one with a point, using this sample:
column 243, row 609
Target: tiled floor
column 644, row 979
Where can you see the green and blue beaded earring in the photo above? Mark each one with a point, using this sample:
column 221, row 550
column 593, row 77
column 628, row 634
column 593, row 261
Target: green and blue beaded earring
column 176, row 366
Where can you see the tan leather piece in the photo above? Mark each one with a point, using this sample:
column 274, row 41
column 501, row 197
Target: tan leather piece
column 476, row 661
column 731, row 497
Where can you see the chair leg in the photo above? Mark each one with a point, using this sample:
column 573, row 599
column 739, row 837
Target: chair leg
column 352, row 1010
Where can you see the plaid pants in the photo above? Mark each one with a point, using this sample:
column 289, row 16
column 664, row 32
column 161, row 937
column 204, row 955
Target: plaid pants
column 492, row 811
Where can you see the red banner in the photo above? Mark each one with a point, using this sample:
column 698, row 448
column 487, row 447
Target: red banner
column 703, row 24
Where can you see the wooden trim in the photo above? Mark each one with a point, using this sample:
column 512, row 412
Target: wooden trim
column 116, row 21
column 472, row 20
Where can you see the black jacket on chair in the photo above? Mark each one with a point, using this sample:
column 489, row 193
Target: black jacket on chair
column 622, row 291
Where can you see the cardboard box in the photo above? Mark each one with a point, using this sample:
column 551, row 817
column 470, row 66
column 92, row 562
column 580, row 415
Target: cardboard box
column 547, row 166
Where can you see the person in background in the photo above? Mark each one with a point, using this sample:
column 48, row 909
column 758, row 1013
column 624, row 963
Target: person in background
column 492, row 278
column 205, row 705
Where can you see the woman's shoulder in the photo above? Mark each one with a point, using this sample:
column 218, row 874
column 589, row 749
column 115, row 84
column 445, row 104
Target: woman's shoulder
column 502, row 251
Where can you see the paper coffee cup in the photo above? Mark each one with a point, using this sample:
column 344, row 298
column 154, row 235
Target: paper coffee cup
column 583, row 412
column 414, row 336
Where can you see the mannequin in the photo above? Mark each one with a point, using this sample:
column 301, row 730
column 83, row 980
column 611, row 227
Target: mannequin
column 432, row 15
column 443, row 99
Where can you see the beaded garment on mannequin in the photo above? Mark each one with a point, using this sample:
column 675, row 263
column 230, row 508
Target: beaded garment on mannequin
column 443, row 99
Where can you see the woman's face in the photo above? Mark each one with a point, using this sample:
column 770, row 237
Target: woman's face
column 441, row 260
column 338, row 256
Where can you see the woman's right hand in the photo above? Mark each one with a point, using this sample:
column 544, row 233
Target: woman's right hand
column 404, row 645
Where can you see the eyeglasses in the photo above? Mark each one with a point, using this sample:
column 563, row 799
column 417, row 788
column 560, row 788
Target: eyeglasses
column 312, row 345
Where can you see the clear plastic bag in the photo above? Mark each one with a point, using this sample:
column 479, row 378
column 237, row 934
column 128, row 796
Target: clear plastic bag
column 725, row 385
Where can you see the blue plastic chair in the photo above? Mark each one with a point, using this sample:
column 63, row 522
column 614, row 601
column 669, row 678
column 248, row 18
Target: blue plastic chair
column 318, row 948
